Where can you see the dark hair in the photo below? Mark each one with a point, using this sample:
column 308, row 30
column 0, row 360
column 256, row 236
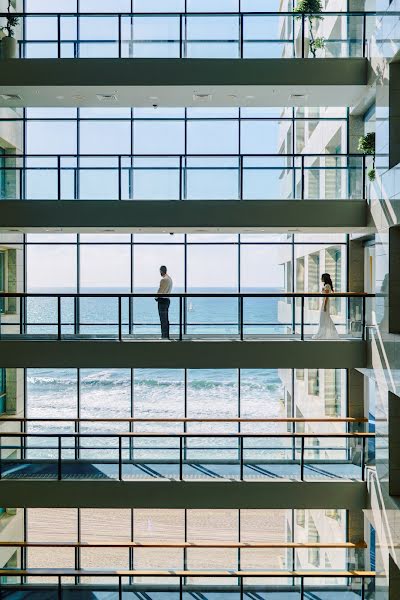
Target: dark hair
column 326, row 278
column 163, row 269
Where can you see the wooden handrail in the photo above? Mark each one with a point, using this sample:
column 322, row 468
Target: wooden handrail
column 178, row 573
column 242, row 545
column 12, row 419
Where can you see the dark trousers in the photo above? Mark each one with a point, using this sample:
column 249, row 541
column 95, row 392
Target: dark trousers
column 163, row 308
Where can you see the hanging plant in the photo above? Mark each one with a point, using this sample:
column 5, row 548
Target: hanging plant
column 311, row 8
column 366, row 145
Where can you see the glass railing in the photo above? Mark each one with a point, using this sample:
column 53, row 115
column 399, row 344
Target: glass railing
column 182, row 584
column 190, row 35
column 191, row 316
column 107, row 454
column 183, row 177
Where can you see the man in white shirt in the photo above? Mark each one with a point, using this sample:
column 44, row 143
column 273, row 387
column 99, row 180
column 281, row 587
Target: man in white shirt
column 163, row 303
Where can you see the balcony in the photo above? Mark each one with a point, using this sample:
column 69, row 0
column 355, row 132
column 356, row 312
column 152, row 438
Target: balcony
column 101, row 451
column 233, row 192
column 191, row 35
column 180, row 584
column 204, row 55
column 122, row 192
column 48, row 330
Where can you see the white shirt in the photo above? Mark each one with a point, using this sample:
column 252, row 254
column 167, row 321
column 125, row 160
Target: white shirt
column 165, row 285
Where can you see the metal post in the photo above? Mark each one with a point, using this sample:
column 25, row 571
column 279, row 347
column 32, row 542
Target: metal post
column 119, row 176
column 302, row 36
column 241, row 457
column 58, row 177
column 20, row 315
column 362, row 588
column 302, row 182
column 59, row 317
column 59, row 594
column 119, row 39
column 181, row 458
column 363, row 459
column 180, row 39
column 180, row 318
column 119, row 318
column 241, row 318
column 301, row 588
column 302, row 319
column 59, row 36
column 241, row 588
column 240, row 177
column 59, row 465
column 130, row 314
column 120, row 587
column 180, row 178
column 120, row 458
column 364, row 179
column 302, row 459
column 364, row 321
column 364, row 34
column 241, row 35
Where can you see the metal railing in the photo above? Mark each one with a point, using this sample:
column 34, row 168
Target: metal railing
column 124, row 177
column 123, row 453
column 182, row 581
column 192, row 35
column 70, row 316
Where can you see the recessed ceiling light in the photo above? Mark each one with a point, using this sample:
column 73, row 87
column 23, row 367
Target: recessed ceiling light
column 249, row 97
column 10, row 97
column 153, row 97
column 105, row 97
column 78, row 97
column 202, row 97
column 60, row 97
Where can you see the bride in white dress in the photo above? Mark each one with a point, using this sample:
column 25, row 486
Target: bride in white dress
column 327, row 329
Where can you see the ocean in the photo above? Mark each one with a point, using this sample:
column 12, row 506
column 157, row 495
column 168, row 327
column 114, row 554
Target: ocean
column 202, row 315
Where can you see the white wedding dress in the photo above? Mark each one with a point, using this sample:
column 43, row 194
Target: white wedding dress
column 327, row 329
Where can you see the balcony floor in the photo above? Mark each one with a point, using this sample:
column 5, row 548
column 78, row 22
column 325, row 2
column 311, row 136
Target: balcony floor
column 198, row 471
column 30, row 592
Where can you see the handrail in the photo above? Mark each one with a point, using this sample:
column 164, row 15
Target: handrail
column 186, row 295
column 181, row 573
column 6, row 418
column 195, row 14
column 184, row 435
column 191, row 545
column 124, row 326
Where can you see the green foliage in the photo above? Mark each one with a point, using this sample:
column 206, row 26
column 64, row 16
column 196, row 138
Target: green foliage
column 319, row 43
column 372, row 174
column 308, row 6
column 366, row 143
column 12, row 22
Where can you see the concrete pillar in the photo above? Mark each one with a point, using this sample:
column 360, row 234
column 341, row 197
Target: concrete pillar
column 394, row 444
column 356, row 266
column 356, row 534
column 356, row 130
column 394, row 114
column 394, row 279
column 394, row 580
column 356, row 407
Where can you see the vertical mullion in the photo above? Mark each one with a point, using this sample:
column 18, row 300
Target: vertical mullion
column 239, row 286
column 78, row 412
